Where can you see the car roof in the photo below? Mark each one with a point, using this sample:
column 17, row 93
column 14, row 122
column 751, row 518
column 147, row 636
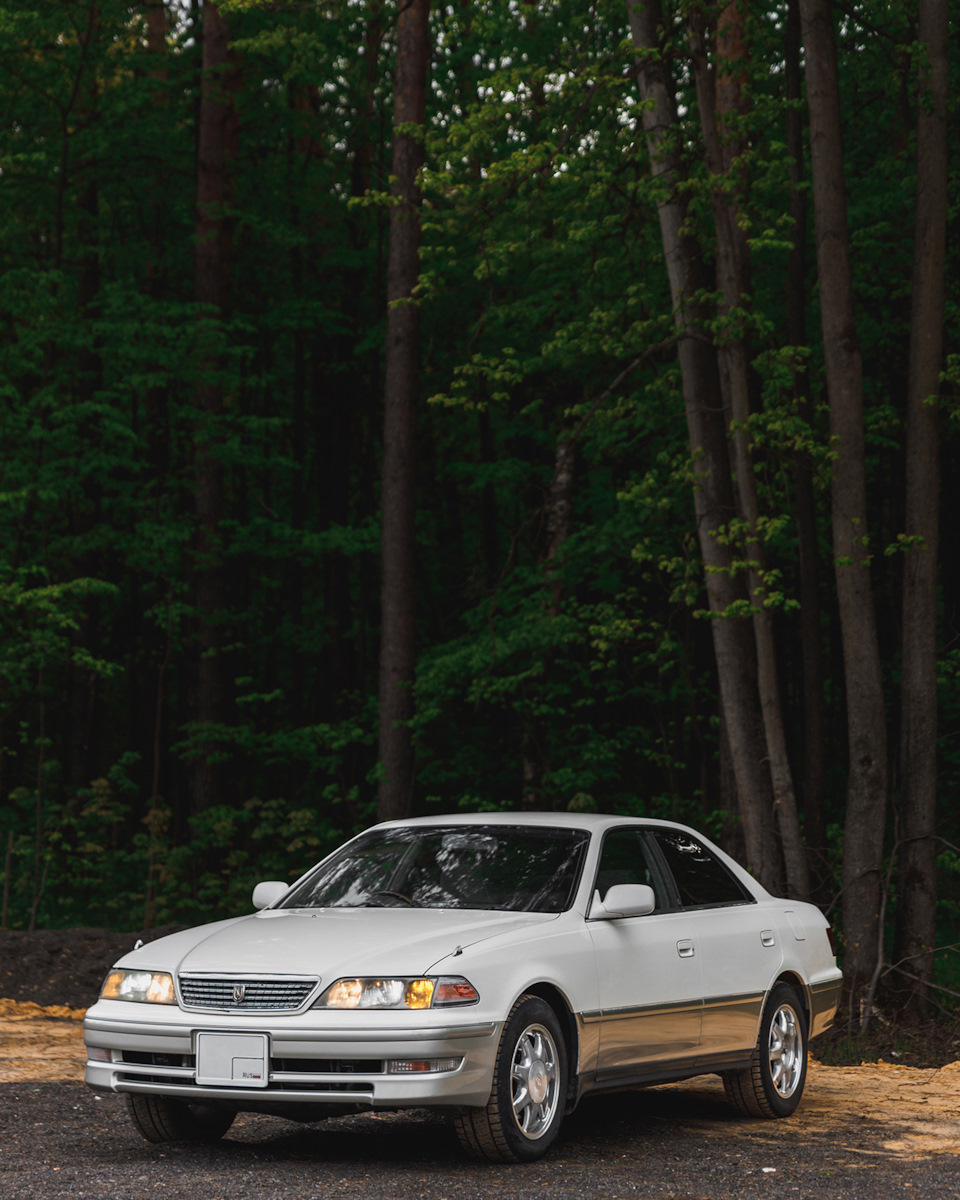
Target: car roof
column 592, row 822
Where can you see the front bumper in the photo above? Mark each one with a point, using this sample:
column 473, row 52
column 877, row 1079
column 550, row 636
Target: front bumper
column 312, row 1058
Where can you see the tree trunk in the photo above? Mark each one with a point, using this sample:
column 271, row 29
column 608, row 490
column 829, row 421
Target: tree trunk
column 807, row 558
column 720, row 94
column 736, row 665
column 401, row 385
column 365, row 133
column 918, row 747
column 156, row 14
column 216, row 132
column 866, row 728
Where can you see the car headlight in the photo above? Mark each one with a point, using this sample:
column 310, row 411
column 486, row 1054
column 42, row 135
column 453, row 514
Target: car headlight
column 399, row 993
column 151, row 987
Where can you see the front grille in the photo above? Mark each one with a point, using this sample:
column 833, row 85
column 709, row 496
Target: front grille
column 255, row 995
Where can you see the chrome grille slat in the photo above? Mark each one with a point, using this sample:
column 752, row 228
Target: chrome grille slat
column 259, row 995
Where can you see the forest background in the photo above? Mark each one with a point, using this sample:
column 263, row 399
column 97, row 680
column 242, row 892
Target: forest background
column 509, row 404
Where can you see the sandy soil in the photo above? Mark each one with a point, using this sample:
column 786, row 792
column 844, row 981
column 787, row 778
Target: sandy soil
column 921, row 1107
column 918, row 1108
column 44, row 1045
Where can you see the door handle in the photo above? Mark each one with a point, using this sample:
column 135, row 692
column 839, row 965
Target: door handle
column 685, row 948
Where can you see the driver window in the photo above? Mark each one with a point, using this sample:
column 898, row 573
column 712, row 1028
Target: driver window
column 624, row 859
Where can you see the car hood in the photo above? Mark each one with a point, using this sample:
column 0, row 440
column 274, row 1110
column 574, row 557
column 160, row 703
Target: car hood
column 331, row 943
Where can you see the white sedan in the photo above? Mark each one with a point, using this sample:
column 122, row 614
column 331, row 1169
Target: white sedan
column 496, row 966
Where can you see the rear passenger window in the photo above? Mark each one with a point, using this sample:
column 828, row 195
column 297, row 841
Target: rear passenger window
column 701, row 879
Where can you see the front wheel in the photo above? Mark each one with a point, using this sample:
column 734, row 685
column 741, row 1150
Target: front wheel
column 161, row 1119
column 523, row 1115
column 773, row 1084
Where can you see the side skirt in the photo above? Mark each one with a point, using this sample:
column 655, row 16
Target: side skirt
column 633, row 1078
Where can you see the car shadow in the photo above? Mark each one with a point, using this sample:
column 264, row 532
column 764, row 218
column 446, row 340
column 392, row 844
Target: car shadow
column 599, row 1125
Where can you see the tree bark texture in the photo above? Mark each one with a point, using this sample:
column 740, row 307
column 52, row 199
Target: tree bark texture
column 720, row 96
column 866, row 728
column 156, row 14
column 216, row 132
column 807, row 556
column 918, row 747
column 365, row 133
column 401, row 387
column 713, row 495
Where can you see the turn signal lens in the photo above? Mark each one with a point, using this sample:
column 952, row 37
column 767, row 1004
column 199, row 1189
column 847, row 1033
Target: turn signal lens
column 454, row 989
column 421, row 1066
column 419, row 993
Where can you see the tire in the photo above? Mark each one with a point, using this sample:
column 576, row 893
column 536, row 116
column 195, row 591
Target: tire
column 160, row 1119
column 523, row 1115
column 773, row 1084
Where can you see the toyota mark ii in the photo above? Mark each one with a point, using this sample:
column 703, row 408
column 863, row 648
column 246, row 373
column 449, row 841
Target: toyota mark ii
column 499, row 967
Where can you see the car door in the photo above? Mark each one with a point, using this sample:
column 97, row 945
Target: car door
column 740, row 951
column 648, row 968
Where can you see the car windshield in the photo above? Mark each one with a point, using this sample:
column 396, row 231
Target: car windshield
column 518, row 869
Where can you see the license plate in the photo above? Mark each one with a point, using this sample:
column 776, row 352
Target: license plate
column 233, row 1060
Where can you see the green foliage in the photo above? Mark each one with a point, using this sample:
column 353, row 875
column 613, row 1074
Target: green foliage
column 573, row 672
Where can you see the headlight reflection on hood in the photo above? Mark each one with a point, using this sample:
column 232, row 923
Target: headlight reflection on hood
column 399, row 993
column 151, row 987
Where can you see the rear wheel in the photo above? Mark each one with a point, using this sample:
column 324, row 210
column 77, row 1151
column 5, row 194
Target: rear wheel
column 161, row 1119
column 773, row 1084
column 523, row 1115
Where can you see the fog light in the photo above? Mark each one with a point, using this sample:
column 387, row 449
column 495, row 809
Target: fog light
column 421, row 1066
column 98, row 1054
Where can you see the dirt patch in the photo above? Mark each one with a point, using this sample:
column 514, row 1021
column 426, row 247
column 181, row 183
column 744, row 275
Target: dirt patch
column 40, row 1045
column 924, row 1105
column 919, row 1107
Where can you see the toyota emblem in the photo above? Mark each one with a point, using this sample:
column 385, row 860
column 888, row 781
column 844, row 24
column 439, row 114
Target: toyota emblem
column 239, row 991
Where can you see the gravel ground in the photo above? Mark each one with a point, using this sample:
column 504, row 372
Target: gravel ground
column 682, row 1142
column 875, row 1130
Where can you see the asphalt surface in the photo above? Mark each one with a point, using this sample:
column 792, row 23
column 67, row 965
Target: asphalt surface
column 683, row 1142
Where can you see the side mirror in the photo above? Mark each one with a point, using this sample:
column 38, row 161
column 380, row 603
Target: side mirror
column 265, row 894
column 623, row 900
